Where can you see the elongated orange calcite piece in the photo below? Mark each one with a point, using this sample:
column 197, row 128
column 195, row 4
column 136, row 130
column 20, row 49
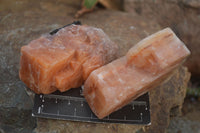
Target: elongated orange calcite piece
column 65, row 60
column 146, row 64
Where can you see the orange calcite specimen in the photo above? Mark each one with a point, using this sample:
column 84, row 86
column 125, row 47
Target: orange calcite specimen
column 146, row 64
column 65, row 60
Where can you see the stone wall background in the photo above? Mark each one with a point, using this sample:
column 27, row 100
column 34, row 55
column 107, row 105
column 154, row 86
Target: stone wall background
column 183, row 16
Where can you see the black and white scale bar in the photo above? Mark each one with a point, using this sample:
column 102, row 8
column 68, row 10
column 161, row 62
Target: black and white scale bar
column 71, row 105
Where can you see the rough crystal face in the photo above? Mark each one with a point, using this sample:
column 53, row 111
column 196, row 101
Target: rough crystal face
column 146, row 64
column 65, row 60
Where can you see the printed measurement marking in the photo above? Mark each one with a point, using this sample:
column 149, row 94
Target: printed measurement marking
column 74, row 111
column 124, row 117
column 69, row 102
column 138, row 103
column 81, row 92
column 65, row 97
column 75, row 116
column 83, row 99
column 141, row 116
column 39, row 110
column 56, row 101
column 68, row 99
column 58, row 112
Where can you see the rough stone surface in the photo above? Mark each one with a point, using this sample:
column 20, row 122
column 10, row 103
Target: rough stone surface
column 167, row 99
column 22, row 21
column 183, row 125
column 183, row 16
column 46, row 126
column 190, row 121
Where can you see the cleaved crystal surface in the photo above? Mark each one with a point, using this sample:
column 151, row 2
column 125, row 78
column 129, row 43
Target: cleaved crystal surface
column 146, row 65
column 65, row 60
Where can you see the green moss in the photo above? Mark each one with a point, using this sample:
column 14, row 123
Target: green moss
column 89, row 3
column 193, row 91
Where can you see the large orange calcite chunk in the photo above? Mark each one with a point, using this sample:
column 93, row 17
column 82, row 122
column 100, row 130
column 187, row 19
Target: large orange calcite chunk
column 65, row 60
column 146, row 64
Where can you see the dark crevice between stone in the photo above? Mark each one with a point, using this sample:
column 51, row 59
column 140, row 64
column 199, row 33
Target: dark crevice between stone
column 175, row 111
